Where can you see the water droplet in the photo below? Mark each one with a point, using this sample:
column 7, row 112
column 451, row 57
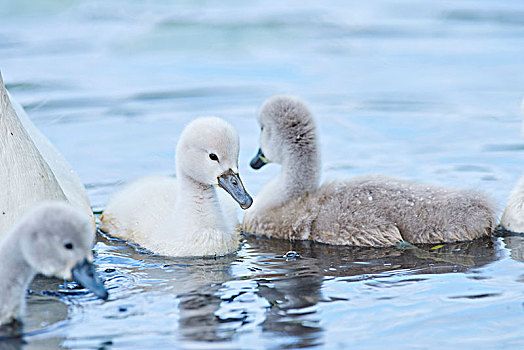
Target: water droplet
column 291, row 255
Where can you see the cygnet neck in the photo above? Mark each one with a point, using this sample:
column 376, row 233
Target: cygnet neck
column 15, row 276
column 198, row 203
column 299, row 176
column 300, row 172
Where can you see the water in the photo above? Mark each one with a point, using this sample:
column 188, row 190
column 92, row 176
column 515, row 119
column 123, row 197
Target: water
column 424, row 91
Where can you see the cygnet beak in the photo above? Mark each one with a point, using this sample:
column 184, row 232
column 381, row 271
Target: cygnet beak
column 259, row 160
column 232, row 184
column 84, row 273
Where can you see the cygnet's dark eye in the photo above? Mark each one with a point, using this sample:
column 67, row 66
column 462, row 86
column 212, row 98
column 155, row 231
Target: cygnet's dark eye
column 213, row 156
column 68, row 245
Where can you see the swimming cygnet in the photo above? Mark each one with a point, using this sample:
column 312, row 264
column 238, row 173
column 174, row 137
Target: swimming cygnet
column 53, row 239
column 363, row 211
column 513, row 216
column 32, row 169
column 185, row 216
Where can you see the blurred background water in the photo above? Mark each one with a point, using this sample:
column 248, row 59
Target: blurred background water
column 427, row 91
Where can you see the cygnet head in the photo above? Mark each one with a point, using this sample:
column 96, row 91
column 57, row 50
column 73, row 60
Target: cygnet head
column 207, row 152
column 287, row 129
column 56, row 240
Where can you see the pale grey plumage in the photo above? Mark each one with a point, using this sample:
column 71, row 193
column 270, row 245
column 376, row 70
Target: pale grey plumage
column 363, row 211
column 52, row 239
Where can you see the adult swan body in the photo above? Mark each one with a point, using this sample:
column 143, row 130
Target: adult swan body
column 31, row 169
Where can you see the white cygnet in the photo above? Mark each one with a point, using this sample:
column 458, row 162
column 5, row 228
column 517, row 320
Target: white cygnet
column 32, row 170
column 185, row 216
column 367, row 210
column 53, row 239
column 513, row 216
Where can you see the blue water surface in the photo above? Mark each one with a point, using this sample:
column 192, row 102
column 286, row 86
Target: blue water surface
column 427, row 91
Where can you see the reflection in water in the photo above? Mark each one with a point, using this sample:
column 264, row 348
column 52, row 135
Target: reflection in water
column 516, row 246
column 350, row 261
column 293, row 312
column 188, row 286
column 292, row 288
column 149, row 271
column 197, row 315
column 220, row 299
column 181, row 301
column 10, row 336
column 514, row 242
column 45, row 309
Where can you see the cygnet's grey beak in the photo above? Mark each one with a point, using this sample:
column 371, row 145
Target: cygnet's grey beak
column 232, row 184
column 259, row 160
column 84, row 273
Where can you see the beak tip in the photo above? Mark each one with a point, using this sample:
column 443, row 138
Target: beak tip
column 99, row 291
column 247, row 203
column 104, row 295
column 258, row 161
column 84, row 273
